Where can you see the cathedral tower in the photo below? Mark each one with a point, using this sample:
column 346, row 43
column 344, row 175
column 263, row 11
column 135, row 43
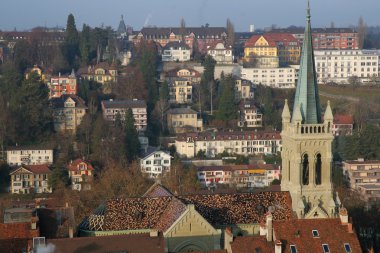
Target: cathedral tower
column 307, row 142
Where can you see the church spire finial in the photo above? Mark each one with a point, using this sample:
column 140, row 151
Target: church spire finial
column 308, row 11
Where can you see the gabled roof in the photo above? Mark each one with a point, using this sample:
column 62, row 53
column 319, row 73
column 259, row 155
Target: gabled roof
column 331, row 231
column 60, row 101
column 35, row 169
column 182, row 111
column 73, row 165
column 176, row 45
column 197, row 31
column 157, row 190
column 273, row 39
column 155, row 152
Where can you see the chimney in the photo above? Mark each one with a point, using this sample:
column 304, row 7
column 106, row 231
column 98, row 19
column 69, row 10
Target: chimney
column 67, row 204
column 71, row 232
column 269, row 224
column 153, row 233
column 278, row 247
column 343, row 215
column 263, row 228
column 228, row 239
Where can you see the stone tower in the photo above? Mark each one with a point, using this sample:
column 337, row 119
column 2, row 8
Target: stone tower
column 307, row 142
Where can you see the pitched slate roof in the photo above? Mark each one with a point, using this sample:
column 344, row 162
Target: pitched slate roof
column 176, row 45
column 182, row 111
column 197, row 31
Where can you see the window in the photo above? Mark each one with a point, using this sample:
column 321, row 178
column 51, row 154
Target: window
column 325, row 248
column 293, row 249
column 315, row 233
column 347, row 248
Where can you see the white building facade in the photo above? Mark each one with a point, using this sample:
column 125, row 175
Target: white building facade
column 339, row 65
column 29, row 156
column 240, row 143
column 272, row 77
column 220, row 53
column 155, row 164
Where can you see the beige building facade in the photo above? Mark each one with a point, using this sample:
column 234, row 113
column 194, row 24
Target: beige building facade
column 181, row 120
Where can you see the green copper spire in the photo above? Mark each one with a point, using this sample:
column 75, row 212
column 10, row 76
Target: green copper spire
column 307, row 98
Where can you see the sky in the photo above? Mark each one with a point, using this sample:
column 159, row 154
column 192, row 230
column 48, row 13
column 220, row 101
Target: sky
column 26, row 14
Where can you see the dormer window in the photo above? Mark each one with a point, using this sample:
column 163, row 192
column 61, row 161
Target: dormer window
column 326, row 248
column 293, row 249
column 315, row 233
column 347, row 248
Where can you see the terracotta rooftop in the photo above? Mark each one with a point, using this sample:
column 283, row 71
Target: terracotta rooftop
column 155, row 212
column 330, row 231
column 138, row 243
column 36, row 169
column 73, row 166
column 252, row 244
column 17, row 230
column 240, row 167
column 273, row 39
column 343, row 119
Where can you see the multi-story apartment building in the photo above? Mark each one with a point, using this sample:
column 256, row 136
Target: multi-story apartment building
column 62, row 84
column 339, row 65
column 182, row 120
column 176, row 51
column 283, row 46
column 156, row 163
column 81, row 173
column 29, row 156
column 364, row 176
column 249, row 115
column 68, row 112
column 342, row 125
column 221, row 53
column 102, row 73
column 272, row 77
column 241, row 143
column 203, row 36
column 30, row 179
column 111, row 108
column 180, row 91
column 252, row 176
column 327, row 38
column 244, row 89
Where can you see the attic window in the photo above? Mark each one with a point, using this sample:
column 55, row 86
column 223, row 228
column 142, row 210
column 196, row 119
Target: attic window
column 326, row 248
column 293, row 249
column 315, row 233
column 347, row 248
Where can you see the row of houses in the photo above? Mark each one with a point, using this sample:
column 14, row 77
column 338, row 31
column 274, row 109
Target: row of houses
column 247, row 176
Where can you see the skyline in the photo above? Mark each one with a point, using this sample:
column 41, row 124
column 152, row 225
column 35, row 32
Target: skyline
column 200, row 12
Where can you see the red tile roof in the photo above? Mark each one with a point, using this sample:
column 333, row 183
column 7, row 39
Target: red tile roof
column 35, row 169
column 21, row 230
column 343, row 119
column 73, row 166
column 272, row 39
column 252, row 244
column 140, row 243
column 298, row 232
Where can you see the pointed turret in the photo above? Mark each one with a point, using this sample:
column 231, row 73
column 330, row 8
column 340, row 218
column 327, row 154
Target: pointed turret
column 285, row 116
column 307, row 98
column 328, row 113
column 122, row 29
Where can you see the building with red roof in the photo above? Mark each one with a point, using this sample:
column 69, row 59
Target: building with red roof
column 81, row 173
column 283, row 46
column 30, row 179
column 342, row 125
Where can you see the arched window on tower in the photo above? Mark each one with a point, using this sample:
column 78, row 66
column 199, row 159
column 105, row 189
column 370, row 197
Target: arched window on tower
column 318, row 170
column 305, row 169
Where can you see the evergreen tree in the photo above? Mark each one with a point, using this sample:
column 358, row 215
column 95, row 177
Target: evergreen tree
column 207, row 81
column 164, row 91
column 227, row 108
column 84, row 45
column 70, row 48
column 132, row 143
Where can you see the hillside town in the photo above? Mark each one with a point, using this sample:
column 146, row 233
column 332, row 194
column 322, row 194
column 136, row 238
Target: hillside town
column 190, row 139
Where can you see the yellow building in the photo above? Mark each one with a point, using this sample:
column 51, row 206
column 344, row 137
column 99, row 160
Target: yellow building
column 181, row 120
column 263, row 50
column 37, row 70
column 180, row 91
column 102, row 73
